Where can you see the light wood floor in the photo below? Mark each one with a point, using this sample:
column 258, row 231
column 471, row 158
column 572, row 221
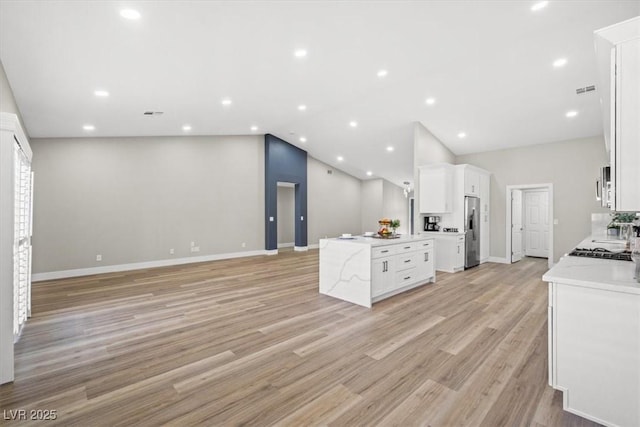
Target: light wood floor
column 250, row 341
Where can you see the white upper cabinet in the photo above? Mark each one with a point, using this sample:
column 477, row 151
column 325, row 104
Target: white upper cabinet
column 471, row 183
column 436, row 188
column 618, row 50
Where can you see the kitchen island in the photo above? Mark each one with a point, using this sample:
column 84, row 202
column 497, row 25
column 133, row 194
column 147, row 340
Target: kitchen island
column 594, row 336
column 364, row 270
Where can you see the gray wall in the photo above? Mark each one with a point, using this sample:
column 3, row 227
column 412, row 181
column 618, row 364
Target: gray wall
column 334, row 202
column 7, row 100
column 372, row 202
column 133, row 199
column 571, row 166
column 286, row 228
column 395, row 205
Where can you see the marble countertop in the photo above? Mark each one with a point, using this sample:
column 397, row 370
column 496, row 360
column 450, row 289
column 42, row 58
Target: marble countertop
column 595, row 273
column 373, row 241
column 442, row 233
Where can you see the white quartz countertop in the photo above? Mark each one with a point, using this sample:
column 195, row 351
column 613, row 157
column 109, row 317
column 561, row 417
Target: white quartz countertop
column 373, row 241
column 595, row 273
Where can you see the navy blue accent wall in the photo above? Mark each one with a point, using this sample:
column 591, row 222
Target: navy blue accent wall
column 285, row 163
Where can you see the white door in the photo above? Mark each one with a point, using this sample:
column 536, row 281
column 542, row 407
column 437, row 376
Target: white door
column 516, row 225
column 536, row 223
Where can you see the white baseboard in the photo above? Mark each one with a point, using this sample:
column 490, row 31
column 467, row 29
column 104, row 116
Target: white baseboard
column 63, row 274
column 286, row 245
column 316, row 246
column 300, row 248
column 271, row 252
column 498, row 260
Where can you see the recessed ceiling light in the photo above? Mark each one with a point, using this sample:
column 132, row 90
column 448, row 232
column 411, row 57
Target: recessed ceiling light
column 353, row 124
column 462, row 135
column 389, row 148
column 302, row 107
column 186, row 128
column 571, row 113
column 560, row 62
column 382, row 73
column 101, row 93
column 300, row 53
column 303, row 139
column 226, row 101
column 539, row 5
column 369, row 173
column 254, row 128
column 430, row 101
column 89, row 127
column 130, row 14
column 340, row 158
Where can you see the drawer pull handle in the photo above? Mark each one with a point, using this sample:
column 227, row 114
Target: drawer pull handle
column 426, row 256
column 407, row 247
column 407, row 278
column 407, row 260
column 385, row 251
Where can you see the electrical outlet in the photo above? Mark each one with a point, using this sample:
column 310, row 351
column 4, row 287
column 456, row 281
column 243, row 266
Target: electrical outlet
column 98, row 257
column 244, row 245
column 193, row 244
column 195, row 249
column 171, row 251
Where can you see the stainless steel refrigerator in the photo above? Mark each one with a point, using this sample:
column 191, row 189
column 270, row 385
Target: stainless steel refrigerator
column 471, row 231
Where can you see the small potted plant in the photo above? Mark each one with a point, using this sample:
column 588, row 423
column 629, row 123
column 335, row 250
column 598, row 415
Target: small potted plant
column 394, row 225
column 613, row 229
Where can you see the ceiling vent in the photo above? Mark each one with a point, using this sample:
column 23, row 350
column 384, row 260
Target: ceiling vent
column 583, row 90
column 153, row 113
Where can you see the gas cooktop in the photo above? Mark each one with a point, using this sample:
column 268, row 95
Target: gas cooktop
column 601, row 253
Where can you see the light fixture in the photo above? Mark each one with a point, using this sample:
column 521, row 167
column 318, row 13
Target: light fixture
column 369, row 173
column 101, row 93
column 389, row 148
column 89, row 128
column 560, row 62
column 407, row 188
column 303, row 139
column 353, row 124
column 382, row 73
column 430, row 101
column 302, row 107
column 186, row 128
column 254, row 128
column 226, row 102
column 340, row 158
column 539, row 5
column 130, row 14
column 300, row 53
column 571, row 113
column 462, row 135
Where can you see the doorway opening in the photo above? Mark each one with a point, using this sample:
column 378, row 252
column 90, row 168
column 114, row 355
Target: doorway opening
column 529, row 222
column 285, row 215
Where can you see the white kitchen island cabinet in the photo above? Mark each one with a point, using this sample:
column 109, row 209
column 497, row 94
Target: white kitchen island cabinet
column 594, row 339
column 364, row 270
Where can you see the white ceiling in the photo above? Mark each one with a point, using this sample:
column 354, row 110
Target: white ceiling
column 488, row 64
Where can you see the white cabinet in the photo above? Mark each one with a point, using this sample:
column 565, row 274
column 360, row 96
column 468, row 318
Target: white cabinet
column 471, row 182
column 594, row 345
column 363, row 271
column 436, row 188
column 450, row 252
column 618, row 49
column 485, row 216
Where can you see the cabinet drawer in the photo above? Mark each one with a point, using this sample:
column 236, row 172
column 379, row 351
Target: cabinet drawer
column 425, row 244
column 404, row 278
column 406, row 261
column 406, row 247
column 382, row 251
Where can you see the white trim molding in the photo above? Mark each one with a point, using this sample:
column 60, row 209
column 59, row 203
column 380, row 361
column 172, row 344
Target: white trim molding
column 498, row 260
column 271, row 252
column 63, row 274
column 300, row 248
column 286, row 245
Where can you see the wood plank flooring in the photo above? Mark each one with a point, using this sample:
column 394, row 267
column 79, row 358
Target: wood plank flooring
column 250, row 341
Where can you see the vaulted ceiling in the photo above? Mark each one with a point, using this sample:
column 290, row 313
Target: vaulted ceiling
column 222, row 68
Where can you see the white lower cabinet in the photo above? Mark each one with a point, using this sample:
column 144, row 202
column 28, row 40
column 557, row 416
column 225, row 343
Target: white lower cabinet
column 450, row 252
column 382, row 275
column 594, row 343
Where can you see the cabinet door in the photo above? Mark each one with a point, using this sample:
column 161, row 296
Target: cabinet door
column 436, row 185
column 626, row 148
column 382, row 276
column 459, row 256
column 471, row 182
column 425, row 268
